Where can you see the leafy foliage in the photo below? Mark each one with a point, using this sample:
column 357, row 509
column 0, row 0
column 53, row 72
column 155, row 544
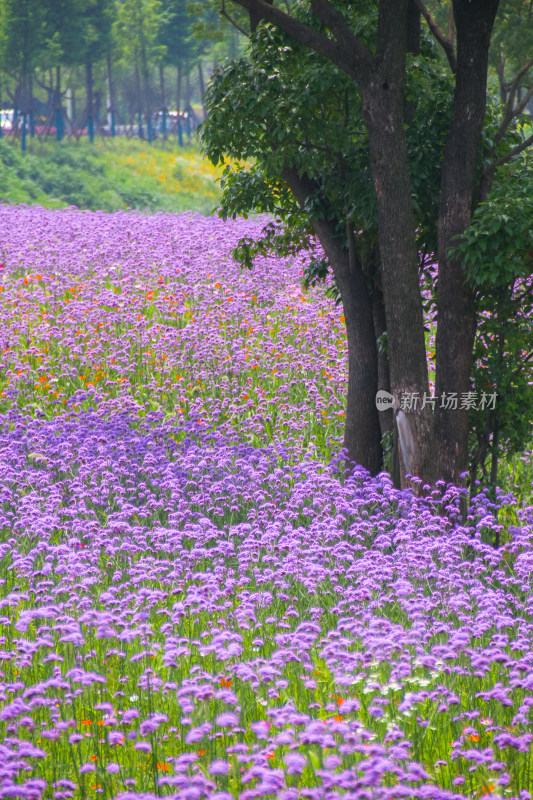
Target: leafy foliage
column 497, row 250
column 285, row 106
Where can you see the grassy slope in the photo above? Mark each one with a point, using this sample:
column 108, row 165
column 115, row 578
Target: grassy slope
column 109, row 175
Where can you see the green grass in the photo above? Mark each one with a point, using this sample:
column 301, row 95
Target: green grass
column 110, row 175
column 516, row 476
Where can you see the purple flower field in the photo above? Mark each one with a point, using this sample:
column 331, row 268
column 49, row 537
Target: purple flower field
column 194, row 603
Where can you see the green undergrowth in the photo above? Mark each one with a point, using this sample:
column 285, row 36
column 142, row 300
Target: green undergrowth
column 109, row 175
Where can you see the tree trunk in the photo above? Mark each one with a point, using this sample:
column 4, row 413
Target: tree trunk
column 179, row 129
column 362, row 435
column 201, row 84
column 111, row 95
column 386, row 417
column 162, row 84
column 383, row 115
column 89, row 101
column 456, row 314
column 147, row 98
column 139, row 108
column 188, row 100
column 163, row 100
column 187, row 87
column 31, row 106
column 58, row 111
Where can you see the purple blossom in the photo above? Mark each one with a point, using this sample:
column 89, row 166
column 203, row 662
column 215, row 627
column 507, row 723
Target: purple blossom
column 219, row 768
column 226, row 720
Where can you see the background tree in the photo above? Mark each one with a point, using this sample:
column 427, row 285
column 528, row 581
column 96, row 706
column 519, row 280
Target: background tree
column 94, row 45
column 23, row 44
column 136, row 30
column 180, row 47
column 63, row 30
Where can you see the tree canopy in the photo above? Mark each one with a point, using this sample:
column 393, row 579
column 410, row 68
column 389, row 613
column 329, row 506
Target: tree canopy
column 321, row 105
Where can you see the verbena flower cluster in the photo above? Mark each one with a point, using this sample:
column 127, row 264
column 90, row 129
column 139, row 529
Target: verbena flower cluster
column 192, row 604
column 122, row 310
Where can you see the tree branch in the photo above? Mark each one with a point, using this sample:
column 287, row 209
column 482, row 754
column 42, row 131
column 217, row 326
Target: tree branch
column 512, row 111
column 340, row 29
column 514, row 152
column 354, row 59
column 518, row 80
column 523, row 103
column 445, row 43
column 500, row 69
column 224, row 13
column 489, row 171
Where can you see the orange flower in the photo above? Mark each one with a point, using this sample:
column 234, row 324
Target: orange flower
column 163, row 767
column 86, row 722
column 201, row 752
column 271, row 755
column 225, row 682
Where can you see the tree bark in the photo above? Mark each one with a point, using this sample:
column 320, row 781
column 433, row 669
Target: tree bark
column 384, row 119
column 456, row 314
column 386, row 417
column 362, row 435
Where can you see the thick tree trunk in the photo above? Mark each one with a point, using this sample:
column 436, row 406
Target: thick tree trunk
column 362, row 432
column 386, row 417
column 456, row 316
column 384, row 119
column 362, row 435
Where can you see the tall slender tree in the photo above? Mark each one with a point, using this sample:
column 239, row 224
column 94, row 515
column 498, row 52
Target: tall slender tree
column 96, row 20
column 23, row 45
column 136, row 29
